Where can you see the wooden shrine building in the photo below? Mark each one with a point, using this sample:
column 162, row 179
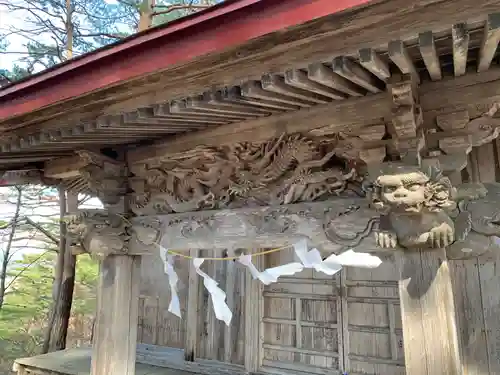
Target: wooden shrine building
column 353, row 124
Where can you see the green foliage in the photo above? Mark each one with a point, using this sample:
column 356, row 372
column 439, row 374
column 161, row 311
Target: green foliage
column 180, row 8
column 28, row 301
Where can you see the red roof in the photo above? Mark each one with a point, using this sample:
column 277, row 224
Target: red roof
column 226, row 25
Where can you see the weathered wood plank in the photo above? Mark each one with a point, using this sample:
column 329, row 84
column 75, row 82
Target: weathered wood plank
column 356, row 74
column 399, row 56
column 460, row 37
column 428, row 313
column 469, row 315
column 151, row 360
column 490, row 279
column 230, row 289
column 64, row 167
column 253, row 315
column 490, row 41
column 372, row 62
column 429, row 54
column 353, row 112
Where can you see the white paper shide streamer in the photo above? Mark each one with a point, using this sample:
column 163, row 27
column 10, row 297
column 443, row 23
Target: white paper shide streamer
column 221, row 309
column 308, row 259
column 168, row 262
column 334, row 263
column 270, row 275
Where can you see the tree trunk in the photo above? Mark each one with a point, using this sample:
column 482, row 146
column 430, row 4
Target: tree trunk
column 60, row 278
column 145, row 15
column 63, row 311
column 6, row 253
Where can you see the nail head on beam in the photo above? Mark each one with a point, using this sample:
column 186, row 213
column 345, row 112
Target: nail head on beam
column 400, row 57
column 372, row 62
column 460, row 36
column 490, row 41
column 429, row 54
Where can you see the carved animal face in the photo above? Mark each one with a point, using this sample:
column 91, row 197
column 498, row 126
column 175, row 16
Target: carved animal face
column 403, row 192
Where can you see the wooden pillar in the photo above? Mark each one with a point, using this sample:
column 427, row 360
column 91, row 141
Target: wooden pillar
column 106, row 236
column 418, row 228
column 428, row 313
column 115, row 337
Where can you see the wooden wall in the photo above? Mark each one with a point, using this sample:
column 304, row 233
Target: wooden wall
column 156, row 325
column 476, row 284
column 159, row 327
column 323, row 325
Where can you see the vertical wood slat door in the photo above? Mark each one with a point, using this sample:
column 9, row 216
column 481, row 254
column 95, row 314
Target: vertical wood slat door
column 302, row 330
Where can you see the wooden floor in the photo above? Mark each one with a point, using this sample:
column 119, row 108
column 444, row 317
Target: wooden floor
column 77, row 362
column 151, row 360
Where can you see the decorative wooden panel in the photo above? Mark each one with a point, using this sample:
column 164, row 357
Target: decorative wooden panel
column 371, row 314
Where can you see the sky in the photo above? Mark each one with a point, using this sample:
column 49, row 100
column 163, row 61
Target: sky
column 15, row 41
column 47, row 209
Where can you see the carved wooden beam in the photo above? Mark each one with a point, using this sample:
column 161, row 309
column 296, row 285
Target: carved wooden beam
column 64, row 167
column 338, row 223
column 101, row 233
column 353, row 113
column 104, row 177
column 405, row 128
column 285, row 169
column 345, row 220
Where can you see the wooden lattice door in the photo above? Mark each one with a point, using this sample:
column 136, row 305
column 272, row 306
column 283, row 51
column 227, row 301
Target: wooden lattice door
column 301, row 323
column 349, row 323
column 371, row 320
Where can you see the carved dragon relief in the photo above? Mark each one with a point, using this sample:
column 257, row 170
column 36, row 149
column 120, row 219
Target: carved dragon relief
column 99, row 233
column 285, row 170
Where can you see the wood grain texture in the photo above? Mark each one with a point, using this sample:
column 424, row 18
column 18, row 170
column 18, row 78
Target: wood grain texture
column 253, row 314
column 116, row 325
column 473, row 92
column 428, row 313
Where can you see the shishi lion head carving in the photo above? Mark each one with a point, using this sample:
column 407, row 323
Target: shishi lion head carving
column 402, row 188
column 98, row 233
